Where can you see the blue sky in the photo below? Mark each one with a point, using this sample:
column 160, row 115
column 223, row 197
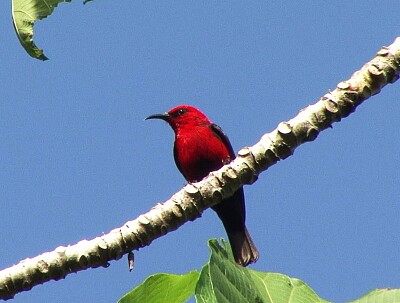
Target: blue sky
column 77, row 159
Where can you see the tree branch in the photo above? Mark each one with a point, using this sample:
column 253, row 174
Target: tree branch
column 189, row 203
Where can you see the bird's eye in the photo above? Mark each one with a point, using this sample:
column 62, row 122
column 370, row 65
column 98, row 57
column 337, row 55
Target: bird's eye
column 181, row 111
column 178, row 112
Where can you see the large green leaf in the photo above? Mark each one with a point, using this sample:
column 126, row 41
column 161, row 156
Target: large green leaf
column 25, row 13
column 278, row 288
column 163, row 288
column 221, row 280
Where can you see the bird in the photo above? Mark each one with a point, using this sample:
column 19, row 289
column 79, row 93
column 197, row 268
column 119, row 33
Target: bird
column 201, row 147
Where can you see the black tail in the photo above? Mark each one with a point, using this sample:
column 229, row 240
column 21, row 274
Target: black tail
column 243, row 249
column 233, row 215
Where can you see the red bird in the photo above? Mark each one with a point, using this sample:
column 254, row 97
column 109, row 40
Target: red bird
column 200, row 148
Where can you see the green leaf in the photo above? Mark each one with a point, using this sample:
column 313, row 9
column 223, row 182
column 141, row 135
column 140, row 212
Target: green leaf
column 278, row 288
column 163, row 288
column 221, row 280
column 380, row 296
column 25, row 13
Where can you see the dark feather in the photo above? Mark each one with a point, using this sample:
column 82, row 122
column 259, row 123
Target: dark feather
column 224, row 138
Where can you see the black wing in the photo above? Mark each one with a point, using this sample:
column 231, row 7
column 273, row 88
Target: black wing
column 224, row 138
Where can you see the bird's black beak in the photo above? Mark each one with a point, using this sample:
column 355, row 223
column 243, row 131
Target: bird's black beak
column 164, row 117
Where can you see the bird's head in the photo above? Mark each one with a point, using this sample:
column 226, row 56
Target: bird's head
column 182, row 116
